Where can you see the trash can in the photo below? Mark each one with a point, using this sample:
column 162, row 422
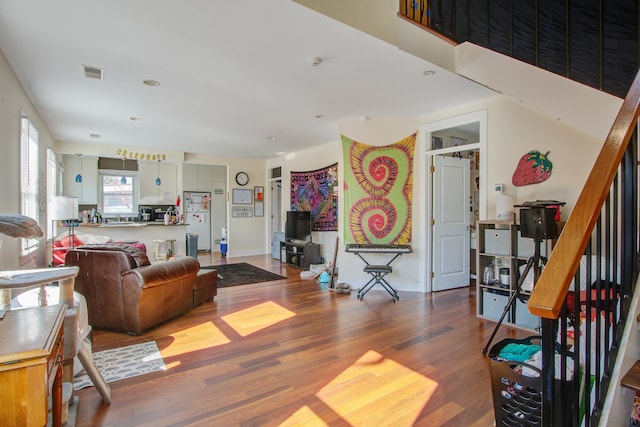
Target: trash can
column 192, row 245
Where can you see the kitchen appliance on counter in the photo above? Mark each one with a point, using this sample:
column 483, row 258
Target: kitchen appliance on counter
column 145, row 214
column 158, row 214
column 197, row 212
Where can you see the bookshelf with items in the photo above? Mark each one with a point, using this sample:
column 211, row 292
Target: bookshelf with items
column 502, row 255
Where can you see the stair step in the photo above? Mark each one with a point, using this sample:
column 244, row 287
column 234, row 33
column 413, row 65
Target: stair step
column 631, row 379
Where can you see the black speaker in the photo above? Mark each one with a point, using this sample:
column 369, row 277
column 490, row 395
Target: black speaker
column 538, row 223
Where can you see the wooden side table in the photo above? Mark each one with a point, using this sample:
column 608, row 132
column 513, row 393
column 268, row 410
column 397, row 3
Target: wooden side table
column 65, row 276
column 31, row 364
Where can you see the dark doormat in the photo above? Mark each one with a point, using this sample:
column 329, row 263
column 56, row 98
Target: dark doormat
column 241, row 274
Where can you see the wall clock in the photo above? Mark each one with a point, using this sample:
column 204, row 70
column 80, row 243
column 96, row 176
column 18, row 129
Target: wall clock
column 242, row 178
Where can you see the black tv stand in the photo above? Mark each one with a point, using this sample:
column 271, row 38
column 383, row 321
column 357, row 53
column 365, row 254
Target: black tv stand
column 301, row 254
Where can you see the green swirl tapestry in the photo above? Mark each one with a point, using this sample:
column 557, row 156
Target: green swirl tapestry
column 378, row 187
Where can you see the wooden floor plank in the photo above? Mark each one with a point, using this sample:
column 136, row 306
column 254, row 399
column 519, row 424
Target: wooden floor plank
column 288, row 353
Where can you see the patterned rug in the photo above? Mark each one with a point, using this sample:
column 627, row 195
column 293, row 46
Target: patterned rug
column 124, row 362
column 241, row 274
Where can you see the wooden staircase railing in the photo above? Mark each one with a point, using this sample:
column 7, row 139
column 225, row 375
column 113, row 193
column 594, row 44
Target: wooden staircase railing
column 551, row 290
column 600, row 242
column 583, row 294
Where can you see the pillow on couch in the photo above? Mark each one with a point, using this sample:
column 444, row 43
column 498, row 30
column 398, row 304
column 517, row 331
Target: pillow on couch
column 62, row 246
column 137, row 258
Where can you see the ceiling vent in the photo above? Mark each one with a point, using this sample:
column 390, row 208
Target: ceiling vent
column 93, row 72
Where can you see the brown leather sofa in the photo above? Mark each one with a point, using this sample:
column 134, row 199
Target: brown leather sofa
column 125, row 292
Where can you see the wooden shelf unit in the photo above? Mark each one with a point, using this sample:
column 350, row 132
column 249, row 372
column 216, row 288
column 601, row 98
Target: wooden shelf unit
column 300, row 254
column 500, row 242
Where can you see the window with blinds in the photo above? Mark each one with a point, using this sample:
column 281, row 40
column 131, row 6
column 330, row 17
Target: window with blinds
column 29, row 178
column 52, row 180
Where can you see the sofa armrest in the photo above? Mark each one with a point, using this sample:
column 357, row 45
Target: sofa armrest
column 160, row 273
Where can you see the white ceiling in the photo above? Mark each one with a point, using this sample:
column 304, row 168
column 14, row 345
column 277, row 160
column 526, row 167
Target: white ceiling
column 232, row 74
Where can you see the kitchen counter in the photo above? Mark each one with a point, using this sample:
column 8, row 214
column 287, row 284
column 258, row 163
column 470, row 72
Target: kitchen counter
column 142, row 232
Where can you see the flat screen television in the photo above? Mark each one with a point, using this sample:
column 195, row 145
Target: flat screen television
column 298, row 226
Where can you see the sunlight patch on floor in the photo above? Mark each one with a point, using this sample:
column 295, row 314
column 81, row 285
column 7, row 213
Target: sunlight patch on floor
column 304, row 417
column 258, row 317
column 377, row 391
column 202, row 336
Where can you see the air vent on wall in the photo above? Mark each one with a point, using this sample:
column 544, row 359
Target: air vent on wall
column 93, row 72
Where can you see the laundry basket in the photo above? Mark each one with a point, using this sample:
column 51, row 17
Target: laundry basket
column 517, row 398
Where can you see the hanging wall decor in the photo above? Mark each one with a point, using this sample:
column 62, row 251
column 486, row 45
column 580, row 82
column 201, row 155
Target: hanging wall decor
column 533, row 168
column 378, row 190
column 317, row 191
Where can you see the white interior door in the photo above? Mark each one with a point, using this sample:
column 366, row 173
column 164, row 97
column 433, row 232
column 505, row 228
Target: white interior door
column 275, row 205
column 451, row 238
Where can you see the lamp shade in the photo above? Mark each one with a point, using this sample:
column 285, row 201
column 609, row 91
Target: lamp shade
column 63, row 208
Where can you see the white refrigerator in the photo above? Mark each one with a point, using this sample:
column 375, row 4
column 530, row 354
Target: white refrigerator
column 197, row 209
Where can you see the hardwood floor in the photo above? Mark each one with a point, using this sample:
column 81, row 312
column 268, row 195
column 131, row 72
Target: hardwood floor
column 287, row 353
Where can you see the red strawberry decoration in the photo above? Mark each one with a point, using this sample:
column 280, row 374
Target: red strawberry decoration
column 533, row 168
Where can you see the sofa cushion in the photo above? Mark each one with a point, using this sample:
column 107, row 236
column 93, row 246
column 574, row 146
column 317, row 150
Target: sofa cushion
column 137, row 258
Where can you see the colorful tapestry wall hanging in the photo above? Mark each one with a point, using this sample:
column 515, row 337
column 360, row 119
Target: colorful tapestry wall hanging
column 317, row 191
column 378, row 187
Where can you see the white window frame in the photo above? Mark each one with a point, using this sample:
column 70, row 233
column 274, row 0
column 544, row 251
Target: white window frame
column 29, row 179
column 52, row 185
column 134, row 192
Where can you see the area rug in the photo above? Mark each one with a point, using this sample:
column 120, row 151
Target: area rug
column 242, row 274
column 124, row 362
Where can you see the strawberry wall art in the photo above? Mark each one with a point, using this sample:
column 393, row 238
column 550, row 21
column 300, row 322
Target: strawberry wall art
column 533, row 168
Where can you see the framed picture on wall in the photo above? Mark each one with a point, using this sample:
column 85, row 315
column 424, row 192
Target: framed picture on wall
column 241, row 211
column 258, row 194
column 258, row 209
column 242, row 196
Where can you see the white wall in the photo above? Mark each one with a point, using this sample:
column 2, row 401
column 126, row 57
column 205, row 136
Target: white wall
column 245, row 236
column 375, row 17
column 380, row 132
column 373, row 132
column 513, row 130
column 14, row 102
column 588, row 109
column 311, row 159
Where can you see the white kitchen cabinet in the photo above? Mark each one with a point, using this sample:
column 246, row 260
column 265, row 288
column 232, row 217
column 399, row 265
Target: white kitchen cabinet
column 87, row 190
column 152, row 194
column 197, row 177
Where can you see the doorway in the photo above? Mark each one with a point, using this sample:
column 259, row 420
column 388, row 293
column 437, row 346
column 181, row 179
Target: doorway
column 451, row 221
column 461, row 137
column 275, row 209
